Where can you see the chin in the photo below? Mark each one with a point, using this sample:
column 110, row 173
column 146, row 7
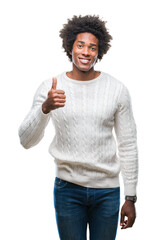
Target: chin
column 84, row 69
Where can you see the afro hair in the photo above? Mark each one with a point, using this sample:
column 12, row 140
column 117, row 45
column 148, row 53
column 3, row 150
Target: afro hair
column 88, row 23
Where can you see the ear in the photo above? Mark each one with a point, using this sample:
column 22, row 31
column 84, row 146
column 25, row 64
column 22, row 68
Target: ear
column 70, row 52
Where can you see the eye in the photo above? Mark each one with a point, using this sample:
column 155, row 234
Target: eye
column 80, row 45
column 93, row 48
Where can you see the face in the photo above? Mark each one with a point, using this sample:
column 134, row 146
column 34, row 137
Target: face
column 85, row 51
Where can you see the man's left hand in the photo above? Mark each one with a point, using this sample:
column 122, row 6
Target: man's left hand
column 128, row 210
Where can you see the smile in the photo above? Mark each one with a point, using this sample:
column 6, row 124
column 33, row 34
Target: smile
column 84, row 61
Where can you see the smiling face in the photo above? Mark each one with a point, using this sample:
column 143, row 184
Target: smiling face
column 85, row 51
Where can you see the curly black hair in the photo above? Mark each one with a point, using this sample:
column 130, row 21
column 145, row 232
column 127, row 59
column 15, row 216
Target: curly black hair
column 88, row 23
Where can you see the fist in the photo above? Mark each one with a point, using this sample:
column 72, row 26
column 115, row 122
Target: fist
column 56, row 98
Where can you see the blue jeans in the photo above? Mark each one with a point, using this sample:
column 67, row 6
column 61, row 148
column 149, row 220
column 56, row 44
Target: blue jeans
column 77, row 206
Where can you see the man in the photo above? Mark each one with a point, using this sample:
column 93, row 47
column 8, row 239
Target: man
column 85, row 105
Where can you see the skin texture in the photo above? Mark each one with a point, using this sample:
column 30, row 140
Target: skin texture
column 84, row 56
column 56, row 98
column 128, row 215
column 85, row 48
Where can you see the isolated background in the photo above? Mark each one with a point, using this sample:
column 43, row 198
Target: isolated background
column 30, row 52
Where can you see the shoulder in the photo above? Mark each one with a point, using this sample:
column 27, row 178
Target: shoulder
column 115, row 83
column 122, row 91
column 112, row 79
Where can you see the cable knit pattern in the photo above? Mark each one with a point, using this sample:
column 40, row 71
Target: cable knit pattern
column 84, row 148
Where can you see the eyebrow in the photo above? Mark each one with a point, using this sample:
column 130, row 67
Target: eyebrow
column 92, row 44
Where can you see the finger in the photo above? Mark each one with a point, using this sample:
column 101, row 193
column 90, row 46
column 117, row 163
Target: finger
column 60, row 91
column 59, row 100
column 57, row 105
column 54, row 83
column 61, row 96
column 124, row 225
column 131, row 221
column 128, row 223
column 122, row 219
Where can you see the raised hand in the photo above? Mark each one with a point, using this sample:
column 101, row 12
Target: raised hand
column 56, row 98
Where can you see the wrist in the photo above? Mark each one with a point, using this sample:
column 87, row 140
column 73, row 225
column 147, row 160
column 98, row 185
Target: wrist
column 133, row 199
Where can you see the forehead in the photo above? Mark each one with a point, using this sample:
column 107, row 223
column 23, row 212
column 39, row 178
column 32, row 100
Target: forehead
column 87, row 38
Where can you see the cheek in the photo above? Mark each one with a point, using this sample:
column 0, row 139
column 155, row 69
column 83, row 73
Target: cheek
column 95, row 58
column 74, row 56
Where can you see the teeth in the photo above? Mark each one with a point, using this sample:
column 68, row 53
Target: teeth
column 84, row 60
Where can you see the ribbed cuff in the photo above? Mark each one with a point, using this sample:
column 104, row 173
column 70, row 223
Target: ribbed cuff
column 44, row 115
column 130, row 190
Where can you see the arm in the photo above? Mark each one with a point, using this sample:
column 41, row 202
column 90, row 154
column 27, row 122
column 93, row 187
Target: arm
column 46, row 100
column 32, row 128
column 125, row 129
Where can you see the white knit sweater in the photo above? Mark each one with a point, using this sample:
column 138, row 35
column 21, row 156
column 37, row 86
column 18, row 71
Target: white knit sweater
column 84, row 148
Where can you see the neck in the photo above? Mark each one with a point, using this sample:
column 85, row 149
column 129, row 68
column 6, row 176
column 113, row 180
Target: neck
column 76, row 74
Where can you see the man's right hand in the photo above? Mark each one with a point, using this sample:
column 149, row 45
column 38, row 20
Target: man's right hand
column 55, row 99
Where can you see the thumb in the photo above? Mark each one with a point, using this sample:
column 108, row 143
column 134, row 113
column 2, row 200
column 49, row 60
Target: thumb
column 54, row 83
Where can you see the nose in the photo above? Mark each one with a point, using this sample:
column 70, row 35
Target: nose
column 85, row 51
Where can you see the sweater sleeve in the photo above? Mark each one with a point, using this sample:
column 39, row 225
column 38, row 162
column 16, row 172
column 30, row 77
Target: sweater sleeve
column 125, row 129
column 31, row 131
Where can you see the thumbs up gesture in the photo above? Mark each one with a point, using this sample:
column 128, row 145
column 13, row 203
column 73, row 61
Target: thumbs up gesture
column 56, row 98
